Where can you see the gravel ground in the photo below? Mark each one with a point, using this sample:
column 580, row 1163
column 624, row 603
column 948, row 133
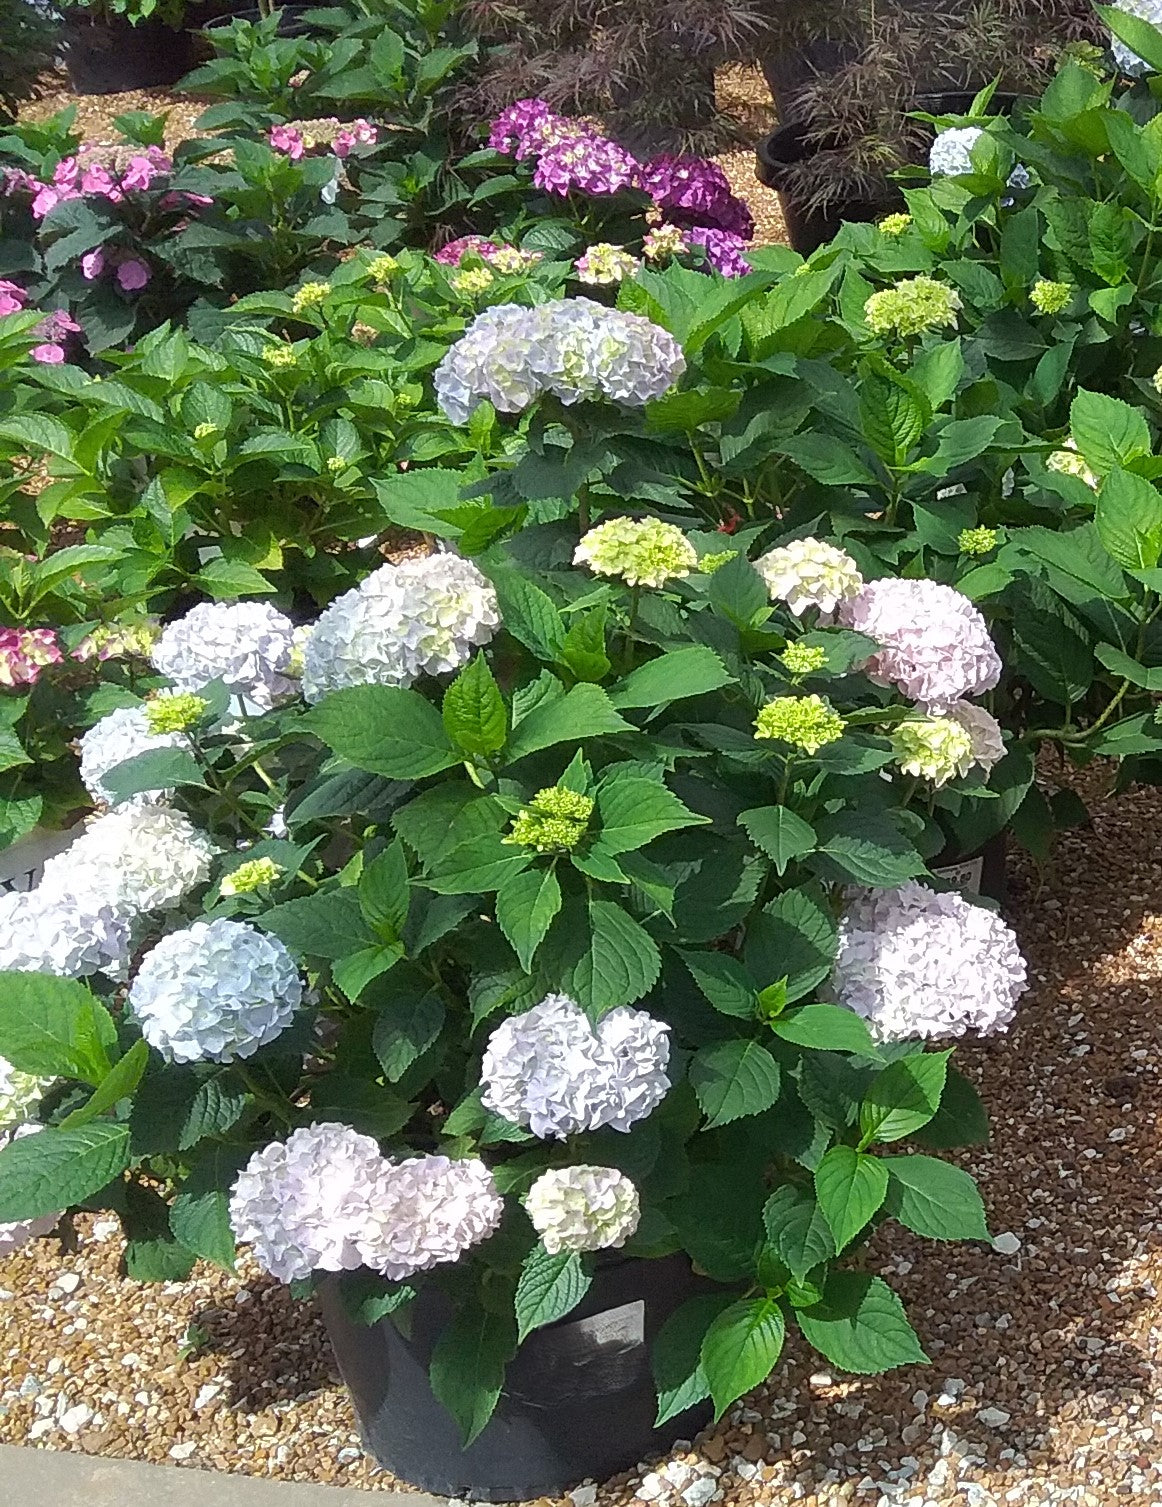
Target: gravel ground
column 1043, row 1377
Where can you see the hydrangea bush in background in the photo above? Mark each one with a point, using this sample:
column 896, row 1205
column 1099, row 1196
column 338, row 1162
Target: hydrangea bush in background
column 580, row 904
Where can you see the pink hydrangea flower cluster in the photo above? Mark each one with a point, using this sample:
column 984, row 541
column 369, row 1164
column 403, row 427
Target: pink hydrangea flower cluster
column 588, row 162
column 455, row 251
column 73, row 179
column 934, row 645
column 24, row 653
column 359, row 133
column 288, row 141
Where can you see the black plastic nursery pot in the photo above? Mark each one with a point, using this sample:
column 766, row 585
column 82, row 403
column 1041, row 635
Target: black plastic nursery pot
column 578, row 1398
column 981, row 872
column 789, row 146
column 292, row 20
column 109, row 56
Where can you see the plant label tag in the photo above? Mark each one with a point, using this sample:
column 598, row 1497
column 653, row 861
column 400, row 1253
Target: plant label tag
column 623, row 1327
column 965, row 876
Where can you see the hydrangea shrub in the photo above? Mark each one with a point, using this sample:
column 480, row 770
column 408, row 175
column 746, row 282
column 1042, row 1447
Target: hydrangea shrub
column 562, row 908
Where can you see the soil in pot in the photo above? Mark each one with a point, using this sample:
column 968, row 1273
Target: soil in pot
column 578, row 1399
column 109, row 56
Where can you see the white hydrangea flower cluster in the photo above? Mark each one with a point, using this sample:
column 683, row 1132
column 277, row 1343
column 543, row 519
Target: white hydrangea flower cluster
column 574, row 347
column 215, row 991
column 553, row 1072
column 583, row 1208
column 248, row 645
column 119, row 736
column 134, row 858
column 326, row 1199
column 809, row 573
column 1128, row 61
column 984, row 732
column 421, row 617
column 950, row 156
column 430, row 1210
column 934, row 644
column 19, row 1092
column 19, row 1233
column 67, row 935
column 917, row 964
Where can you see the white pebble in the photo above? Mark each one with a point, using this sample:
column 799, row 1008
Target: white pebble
column 584, row 1496
column 993, row 1418
column 206, row 1395
column 68, row 1281
column 74, row 1419
column 702, row 1491
column 1007, row 1244
column 40, row 1428
column 183, row 1451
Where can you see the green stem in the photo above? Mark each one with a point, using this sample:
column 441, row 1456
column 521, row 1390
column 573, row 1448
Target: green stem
column 627, row 657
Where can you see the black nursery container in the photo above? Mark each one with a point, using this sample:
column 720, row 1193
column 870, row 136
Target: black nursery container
column 982, row 872
column 578, row 1399
column 111, row 56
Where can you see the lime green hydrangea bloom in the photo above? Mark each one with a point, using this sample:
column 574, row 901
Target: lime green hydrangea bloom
column 382, row 269
column 804, row 659
column 710, row 563
column 310, row 296
column 913, row 306
column 895, row 224
column 642, row 551
column 936, row 749
column 251, row 876
column 472, row 282
column 977, row 541
column 1049, row 297
column 1070, row 462
column 280, row 356
column 554, row 821
column 1156, row 381
column 335, row 464
column 175, row 714
column 805, row 722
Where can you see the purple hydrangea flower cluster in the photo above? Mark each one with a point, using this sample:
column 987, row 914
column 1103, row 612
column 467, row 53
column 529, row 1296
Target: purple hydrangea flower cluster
column 695, row 189
column 455, row 251
column 692, row 192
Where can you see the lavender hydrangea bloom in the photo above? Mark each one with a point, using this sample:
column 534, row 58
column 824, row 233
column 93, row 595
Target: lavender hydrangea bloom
column 950, row 156
column 121, row 735
column 326, row 1199
column 695, row 189
column 524, row 128
column 574, row 348
column 587, row 162
column 983, row 729
column 303, row 1203
column 44, row 932
column 917, row 964
column 18, row 1233
column 248, row 645
column 934, row 644
column 216, row 991
column 429, row 1212
column 554, row 1072
column 421, row 617
column 724, row 250
column 134, row 858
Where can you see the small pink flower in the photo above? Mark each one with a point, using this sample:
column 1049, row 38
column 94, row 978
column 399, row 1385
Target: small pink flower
column 139, row 174
column 24, row 652
column 46, row 200
column 96, row 179
column 65, row 175
column 12, row 297
column 343, row 143
column 17, row 181
column 201, row 200
column 133, row 274
column 92, row 265
column 359, row 133
column 48, row 354
column 287, row 139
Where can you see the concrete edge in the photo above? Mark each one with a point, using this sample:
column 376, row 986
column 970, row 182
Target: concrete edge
column 61, row 1478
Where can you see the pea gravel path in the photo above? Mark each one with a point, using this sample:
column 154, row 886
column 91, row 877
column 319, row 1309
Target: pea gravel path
column 1044, row 1372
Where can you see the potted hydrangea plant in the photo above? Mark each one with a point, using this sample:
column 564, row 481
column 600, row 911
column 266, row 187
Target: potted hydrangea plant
column 535, row 957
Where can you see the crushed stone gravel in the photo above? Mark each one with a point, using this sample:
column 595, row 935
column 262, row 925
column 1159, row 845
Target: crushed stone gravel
column 1044, row 1343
